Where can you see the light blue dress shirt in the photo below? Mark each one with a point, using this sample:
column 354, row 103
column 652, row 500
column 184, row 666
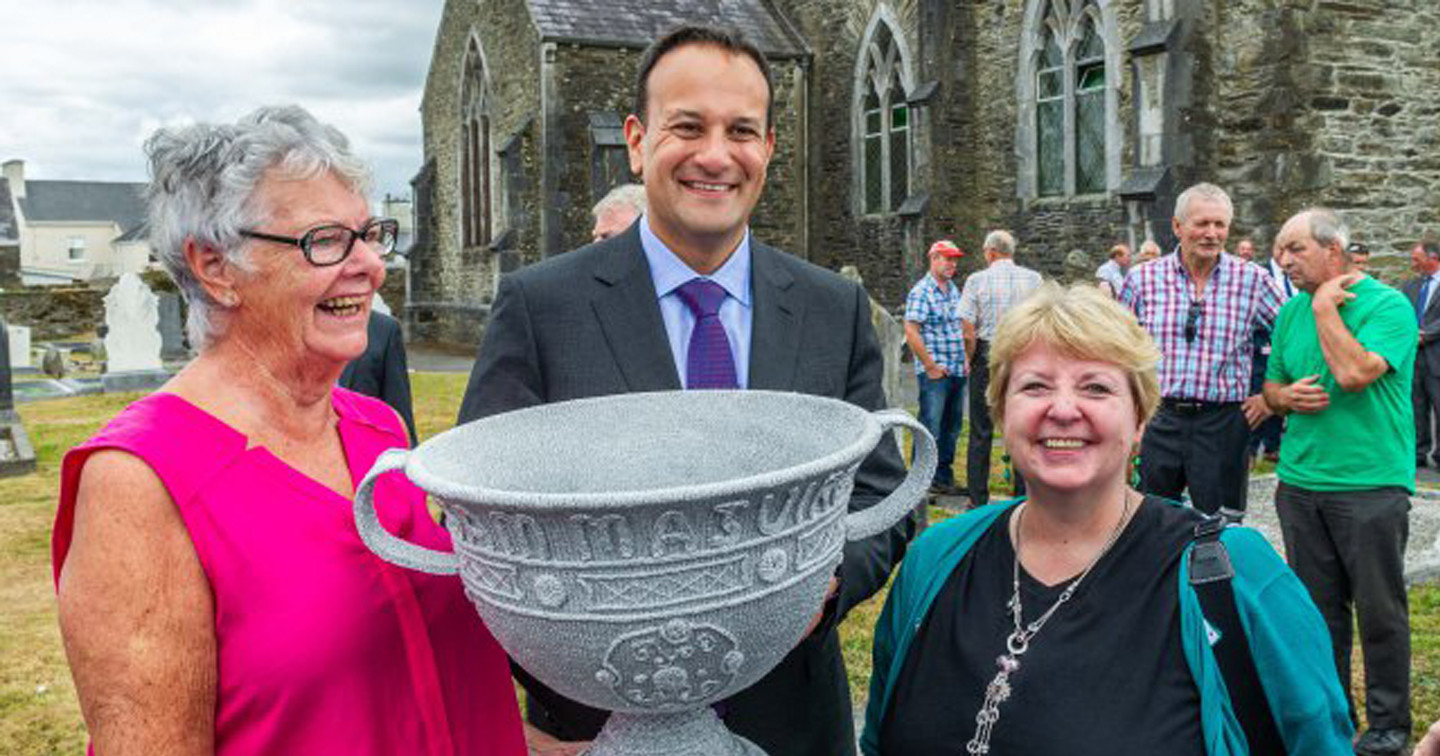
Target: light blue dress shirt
column 668, row 272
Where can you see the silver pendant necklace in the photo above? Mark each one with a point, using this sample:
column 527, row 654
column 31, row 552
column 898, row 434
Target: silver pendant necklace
column 1018, row 642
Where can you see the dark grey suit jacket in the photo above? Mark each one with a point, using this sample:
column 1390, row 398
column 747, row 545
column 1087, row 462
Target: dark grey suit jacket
column 1428, row 358
column 381, row 371
column 588, row 323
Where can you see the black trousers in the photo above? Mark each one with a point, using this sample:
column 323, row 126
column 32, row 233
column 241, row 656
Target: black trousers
column 982, row 432
column 1348, row 548
column 1201, row 449
column 1425, row 396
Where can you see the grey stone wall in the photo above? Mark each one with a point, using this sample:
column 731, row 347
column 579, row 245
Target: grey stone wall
column 54, row 312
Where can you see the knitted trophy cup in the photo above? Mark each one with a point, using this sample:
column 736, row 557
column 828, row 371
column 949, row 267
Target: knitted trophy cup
column 651, row 554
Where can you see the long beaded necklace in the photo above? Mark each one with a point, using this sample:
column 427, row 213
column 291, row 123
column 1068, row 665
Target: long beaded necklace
column 1018, row 642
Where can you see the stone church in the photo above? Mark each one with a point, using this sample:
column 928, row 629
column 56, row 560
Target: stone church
column 1073, row 123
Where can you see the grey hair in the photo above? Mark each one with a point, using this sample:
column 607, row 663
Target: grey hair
column 1326, row 228
column 1000, row 241
column 203, row 181
column 624, row 195
column 1202, row 191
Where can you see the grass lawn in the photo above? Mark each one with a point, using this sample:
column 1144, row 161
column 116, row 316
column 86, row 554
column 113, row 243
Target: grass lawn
column 38, row 709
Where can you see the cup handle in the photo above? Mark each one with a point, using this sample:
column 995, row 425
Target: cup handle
column 379, row 540
column 886, row 512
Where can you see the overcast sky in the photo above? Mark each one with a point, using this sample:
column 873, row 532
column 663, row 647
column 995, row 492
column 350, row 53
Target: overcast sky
column 84, row 82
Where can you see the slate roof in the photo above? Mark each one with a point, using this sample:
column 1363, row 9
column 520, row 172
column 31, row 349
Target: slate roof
column 636, row 23
column 9, row 230
column 49, row 201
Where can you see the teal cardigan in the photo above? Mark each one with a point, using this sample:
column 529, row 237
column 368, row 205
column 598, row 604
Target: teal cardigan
column 1288, row 640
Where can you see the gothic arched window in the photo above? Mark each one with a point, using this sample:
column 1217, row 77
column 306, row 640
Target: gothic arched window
column 475, row 191
column 1070, row 102
column 884, row 123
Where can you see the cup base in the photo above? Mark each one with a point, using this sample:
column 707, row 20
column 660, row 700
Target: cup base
column 697, row 732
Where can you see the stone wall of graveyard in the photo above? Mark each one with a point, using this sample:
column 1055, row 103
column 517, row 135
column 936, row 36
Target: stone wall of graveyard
column 54, row 312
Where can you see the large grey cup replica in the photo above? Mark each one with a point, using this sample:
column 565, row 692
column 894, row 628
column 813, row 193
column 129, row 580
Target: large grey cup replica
column 653, row 553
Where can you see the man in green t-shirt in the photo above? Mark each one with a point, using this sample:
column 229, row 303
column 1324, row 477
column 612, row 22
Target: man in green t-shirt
column 1341, row 364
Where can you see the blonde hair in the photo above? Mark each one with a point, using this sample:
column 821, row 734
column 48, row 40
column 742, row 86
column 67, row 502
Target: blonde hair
column 1081, row 322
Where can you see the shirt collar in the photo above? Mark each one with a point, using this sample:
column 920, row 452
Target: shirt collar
column 668, row 272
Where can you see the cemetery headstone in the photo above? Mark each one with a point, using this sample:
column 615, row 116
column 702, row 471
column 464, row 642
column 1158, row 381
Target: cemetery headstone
column 891, row 334
column 172, row 328
column 132, row 337
column 52, row 363
column 19, row 347
column 17, row 456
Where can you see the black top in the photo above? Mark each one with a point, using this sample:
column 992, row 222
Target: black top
column 1105, row 676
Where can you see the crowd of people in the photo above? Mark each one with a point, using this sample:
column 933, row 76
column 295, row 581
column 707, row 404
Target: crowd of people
column 215, row 597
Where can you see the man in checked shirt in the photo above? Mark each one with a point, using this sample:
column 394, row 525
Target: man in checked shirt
column 1202, row 305
column 988, row 295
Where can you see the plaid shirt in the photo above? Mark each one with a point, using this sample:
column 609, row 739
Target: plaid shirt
column 1215, row 366
column 937, row 312
column 990, row 293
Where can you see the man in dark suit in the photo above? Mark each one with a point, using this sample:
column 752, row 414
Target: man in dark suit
column 629, row 314
column 1420, row 290
column 381, row 371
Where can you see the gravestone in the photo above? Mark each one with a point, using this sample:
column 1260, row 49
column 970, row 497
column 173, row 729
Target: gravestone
column 17, row 456
column 172, row 328
column 52, row 363
column 891, row 335
column 19, row 347
column 132, row 337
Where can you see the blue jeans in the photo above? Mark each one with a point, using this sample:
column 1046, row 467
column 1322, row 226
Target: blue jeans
column 941, row 412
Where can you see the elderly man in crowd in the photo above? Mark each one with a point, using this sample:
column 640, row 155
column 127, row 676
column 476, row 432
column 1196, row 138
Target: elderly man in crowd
column 617, row 211
column 1245, row 249
column 933, row 331
column 1149, row 250
column 988, row 295
column 1341, row 368
column 687, row 297
column 1112, row 274
column 1425, row 261
column 1202, row 306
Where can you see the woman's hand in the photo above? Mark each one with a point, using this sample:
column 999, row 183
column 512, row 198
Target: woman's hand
column 137, row 615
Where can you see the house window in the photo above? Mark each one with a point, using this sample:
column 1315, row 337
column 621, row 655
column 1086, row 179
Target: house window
column 1070, row 104
column 475, row 189
column 884, row 123
column 77, row 249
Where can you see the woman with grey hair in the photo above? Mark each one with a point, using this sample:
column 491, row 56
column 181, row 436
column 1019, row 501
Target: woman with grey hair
column 214, row 594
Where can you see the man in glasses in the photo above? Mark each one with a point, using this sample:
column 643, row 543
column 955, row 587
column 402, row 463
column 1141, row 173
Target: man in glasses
column 1202, row 306
column 1341, row 368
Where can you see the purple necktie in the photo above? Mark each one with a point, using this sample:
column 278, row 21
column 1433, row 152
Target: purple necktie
column 710, row 364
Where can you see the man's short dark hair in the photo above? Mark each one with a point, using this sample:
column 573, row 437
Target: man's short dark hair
column 730, row 40
column 1432, row 249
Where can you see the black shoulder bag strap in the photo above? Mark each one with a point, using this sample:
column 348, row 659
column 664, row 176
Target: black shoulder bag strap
column 1210, row 576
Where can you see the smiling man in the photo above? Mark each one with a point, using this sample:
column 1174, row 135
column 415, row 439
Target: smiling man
column 685, row 298
column 1203, row 306
column 1341, row 367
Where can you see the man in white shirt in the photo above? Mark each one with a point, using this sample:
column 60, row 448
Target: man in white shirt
column 988, row 295
column 1112, row 273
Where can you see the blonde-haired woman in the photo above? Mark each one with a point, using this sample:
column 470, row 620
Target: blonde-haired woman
column 1067, row 623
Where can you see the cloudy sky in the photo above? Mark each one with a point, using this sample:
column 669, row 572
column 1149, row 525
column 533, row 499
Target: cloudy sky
column 83, row 82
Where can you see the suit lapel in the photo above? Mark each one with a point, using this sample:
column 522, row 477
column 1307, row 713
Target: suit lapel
column 629, row 315
column 775, row 328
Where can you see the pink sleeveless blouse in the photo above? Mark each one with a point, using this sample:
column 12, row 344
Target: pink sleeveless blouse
column 321, row 647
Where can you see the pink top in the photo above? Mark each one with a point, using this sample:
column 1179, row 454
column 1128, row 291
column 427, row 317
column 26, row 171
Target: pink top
column 321, row 646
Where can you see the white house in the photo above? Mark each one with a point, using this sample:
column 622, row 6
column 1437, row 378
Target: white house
column 76, row 230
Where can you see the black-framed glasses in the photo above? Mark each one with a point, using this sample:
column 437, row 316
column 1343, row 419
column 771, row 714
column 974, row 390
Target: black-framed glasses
column 332, row 243
column 1192, row 320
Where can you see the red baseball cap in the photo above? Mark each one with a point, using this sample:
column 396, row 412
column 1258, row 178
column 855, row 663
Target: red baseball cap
column 946, row 248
